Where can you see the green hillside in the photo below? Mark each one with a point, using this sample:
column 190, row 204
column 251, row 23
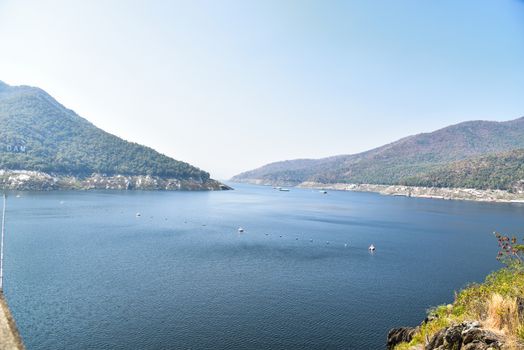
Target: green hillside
column 503, row 171
column 395, row 162
column 40, row 134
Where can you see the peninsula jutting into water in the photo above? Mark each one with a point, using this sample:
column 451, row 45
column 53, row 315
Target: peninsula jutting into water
column 45, row 146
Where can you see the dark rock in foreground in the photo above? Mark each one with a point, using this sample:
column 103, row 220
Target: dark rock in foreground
column 400, row 335
column 464, row 336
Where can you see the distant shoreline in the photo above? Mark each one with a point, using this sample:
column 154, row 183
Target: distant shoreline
column 468, row 194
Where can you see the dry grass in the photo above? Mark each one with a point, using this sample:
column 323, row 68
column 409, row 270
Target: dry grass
column 502, row 316
column 494, row 303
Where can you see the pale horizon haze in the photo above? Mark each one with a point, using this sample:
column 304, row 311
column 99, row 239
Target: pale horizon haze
column 229, row 86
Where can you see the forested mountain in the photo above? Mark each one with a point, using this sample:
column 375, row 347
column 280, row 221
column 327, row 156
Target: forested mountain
column 395, row 162
column 38, row 133
column 504, row 171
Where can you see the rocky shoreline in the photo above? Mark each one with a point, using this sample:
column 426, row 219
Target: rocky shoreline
column 468, row 194
column 425, row 192
column 465, row 336
column 23, row 180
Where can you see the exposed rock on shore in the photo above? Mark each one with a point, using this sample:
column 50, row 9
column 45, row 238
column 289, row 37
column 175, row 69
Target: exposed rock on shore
column 464, row 336
column 424, row 192
column 38, row 181
column 400, row 335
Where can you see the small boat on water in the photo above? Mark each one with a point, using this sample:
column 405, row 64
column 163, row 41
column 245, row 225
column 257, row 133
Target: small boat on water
column 371, row 248
column 138, row 215
column 284, row 189
column 240, row 230
column 323, row 192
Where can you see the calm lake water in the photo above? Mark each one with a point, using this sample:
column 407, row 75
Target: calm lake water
column 83, row 272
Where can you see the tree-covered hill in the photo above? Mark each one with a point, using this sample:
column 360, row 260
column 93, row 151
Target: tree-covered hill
column 504, row 171
column 38, row 133
column 392, row 163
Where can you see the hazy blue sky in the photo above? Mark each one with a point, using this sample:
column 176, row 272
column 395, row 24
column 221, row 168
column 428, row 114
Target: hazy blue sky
column 232, row 85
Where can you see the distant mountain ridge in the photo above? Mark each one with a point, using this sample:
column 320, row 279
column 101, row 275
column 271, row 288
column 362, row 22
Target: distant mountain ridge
column 396, row 162
column 39, row 134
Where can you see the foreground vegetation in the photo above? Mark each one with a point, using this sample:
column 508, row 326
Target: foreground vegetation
column 498, row 303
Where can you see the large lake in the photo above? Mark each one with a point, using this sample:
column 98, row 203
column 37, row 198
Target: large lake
column 84, row 272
